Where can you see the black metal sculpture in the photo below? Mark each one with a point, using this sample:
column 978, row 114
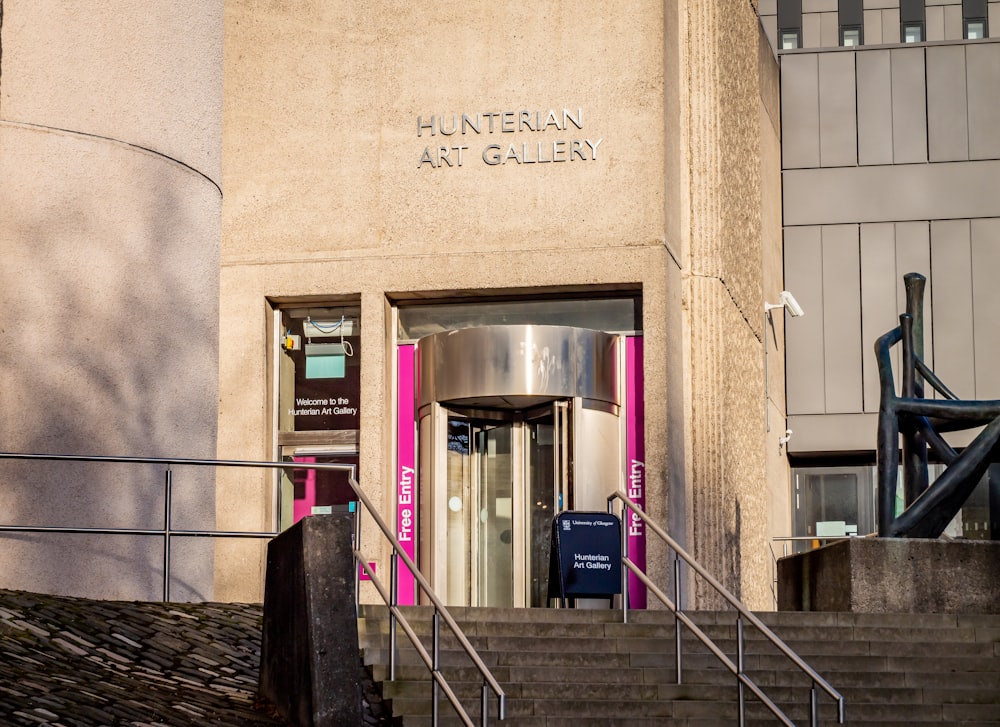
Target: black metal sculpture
column 920, row 421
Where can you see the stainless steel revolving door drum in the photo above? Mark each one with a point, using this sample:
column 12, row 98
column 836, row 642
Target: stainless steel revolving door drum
column 516, row 367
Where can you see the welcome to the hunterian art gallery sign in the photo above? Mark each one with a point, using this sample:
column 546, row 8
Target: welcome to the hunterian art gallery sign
column 543, row 137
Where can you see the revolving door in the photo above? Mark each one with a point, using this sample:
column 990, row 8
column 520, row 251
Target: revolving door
column 516, row 424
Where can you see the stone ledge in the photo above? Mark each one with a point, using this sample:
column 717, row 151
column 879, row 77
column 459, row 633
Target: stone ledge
column 893, row 575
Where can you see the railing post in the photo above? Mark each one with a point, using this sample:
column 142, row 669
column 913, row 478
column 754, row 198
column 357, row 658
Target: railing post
column 168, row 485
column 435, row 688
column 813, row 706
column 678, row 658
column 625, row 570
column 740, row 668
column 484, row 707
column 393, row 601
column 357, row 563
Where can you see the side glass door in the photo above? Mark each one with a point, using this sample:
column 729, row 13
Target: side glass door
column 493, row 515
column 314, row 492
column 548, row 491
column 832, row 502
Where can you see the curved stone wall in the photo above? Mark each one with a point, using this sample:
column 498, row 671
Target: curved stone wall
column 109, row 185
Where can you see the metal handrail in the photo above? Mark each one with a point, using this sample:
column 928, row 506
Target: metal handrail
column 167, row 532
column 737, row 669
column 440, row 611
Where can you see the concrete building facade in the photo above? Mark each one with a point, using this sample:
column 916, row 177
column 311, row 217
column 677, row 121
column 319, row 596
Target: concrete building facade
column 228, row 218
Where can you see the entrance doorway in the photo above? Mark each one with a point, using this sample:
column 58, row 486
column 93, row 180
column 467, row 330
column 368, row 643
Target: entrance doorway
column 506, row 442
column 506, row 475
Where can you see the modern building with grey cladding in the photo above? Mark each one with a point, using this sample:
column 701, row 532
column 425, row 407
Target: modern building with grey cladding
column 890, row 162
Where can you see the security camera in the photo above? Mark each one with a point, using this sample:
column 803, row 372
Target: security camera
column 788, row 300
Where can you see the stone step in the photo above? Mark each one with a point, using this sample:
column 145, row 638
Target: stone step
column 723, row 691
column 847, row 646
column 770, row 618
column 823, row 663
column 663, row 628
column 583, row 712
column 562, row 690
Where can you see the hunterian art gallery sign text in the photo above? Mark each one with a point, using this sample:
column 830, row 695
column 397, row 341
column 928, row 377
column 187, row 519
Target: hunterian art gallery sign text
column 454, row 135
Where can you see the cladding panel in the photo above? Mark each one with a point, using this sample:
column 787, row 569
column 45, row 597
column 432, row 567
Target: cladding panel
column 954, row 352
column 986, row 306
column 947, row 116
column 878, row 301
column 837, row 110
column 890, row 25
column 842, row 319
column 804, row 343
column 945, row 190
column 874, row 84
column 983, row 61
column 799, row 111
column 909, row 107
column 913, row 254
column 812, row 30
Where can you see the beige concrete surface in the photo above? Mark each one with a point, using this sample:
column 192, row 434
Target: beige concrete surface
column 109, row 171
column 729, row 82
column 109, row 346
column 142, row 74
column 336, row 186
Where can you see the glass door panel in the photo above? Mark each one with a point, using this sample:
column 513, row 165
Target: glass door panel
column 314, row 492
column 457, row 536
column 494, row 562
column 541, row 506
column 547, row 469
column 832, row 502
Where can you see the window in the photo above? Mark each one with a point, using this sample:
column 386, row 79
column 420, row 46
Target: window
column 850, row 37
column 838, row 500
column 975, row 29
column 911, row 21
column 319, row 376
column 974, row 14
column 790, row 39
column 850, row 14
column 789, row 24
column 913, row 33
column 831, row 502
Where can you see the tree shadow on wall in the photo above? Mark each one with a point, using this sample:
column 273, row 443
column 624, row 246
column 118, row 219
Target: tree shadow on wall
column 108, row 345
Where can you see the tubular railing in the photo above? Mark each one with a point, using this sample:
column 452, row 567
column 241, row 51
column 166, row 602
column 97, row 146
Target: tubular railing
column 167, row 532
column 431, row 661
column 743, row 681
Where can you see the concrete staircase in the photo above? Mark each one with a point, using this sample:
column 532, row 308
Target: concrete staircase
column 585, row 668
